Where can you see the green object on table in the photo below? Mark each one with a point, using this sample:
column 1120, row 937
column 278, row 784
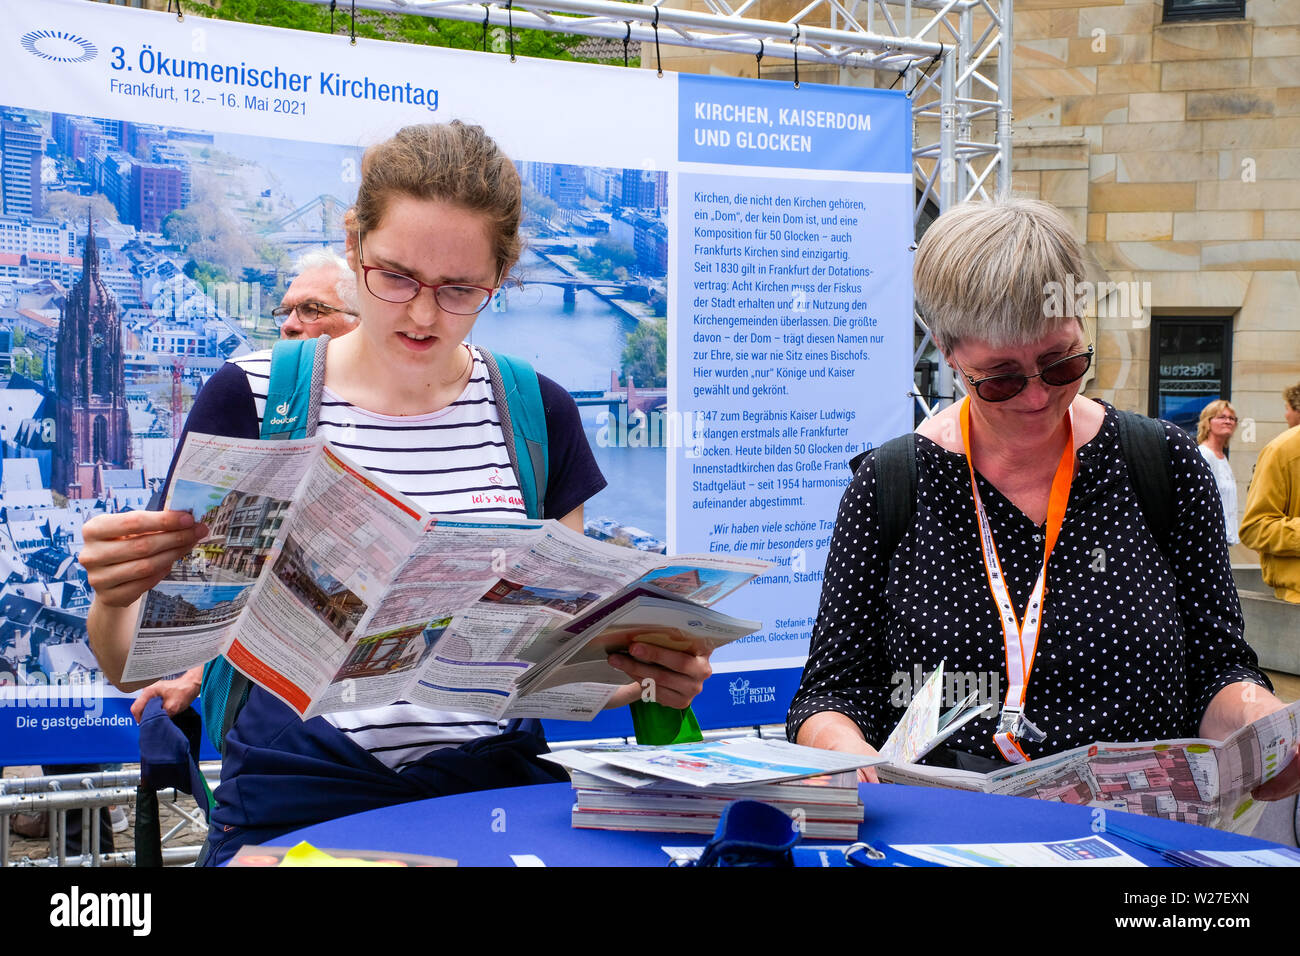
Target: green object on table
column 656, row 724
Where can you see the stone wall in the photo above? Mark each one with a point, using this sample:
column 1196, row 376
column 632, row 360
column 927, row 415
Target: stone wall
column 1175, row 149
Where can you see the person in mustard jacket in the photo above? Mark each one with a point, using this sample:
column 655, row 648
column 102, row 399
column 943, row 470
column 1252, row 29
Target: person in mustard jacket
column 1271, row 523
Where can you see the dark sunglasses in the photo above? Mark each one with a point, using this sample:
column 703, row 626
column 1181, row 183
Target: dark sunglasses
column 1000, row 388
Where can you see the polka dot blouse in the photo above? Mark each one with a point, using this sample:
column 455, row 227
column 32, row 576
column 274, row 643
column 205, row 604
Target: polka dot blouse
column 1134, row 644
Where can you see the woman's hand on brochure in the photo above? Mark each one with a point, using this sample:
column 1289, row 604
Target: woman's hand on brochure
column 831, row 730
column 1285, row 784
column 675, row 676
column 1237, row 705
column 865, row 774
column 1257, row 703
column 126, row 554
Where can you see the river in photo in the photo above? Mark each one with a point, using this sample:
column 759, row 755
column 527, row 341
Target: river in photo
column 578, row 346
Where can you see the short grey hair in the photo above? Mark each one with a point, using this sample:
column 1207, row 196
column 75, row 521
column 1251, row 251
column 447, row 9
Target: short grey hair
column 984, row 271
column 346, row 287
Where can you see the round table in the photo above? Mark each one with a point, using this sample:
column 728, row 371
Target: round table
column 492, row 827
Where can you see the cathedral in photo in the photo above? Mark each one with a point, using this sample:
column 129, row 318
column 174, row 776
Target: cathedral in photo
column 92, row 425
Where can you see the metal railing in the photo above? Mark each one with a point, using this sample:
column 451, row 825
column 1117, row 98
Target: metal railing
column 58, row 795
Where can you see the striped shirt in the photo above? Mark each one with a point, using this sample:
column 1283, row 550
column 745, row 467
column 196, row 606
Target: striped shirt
column 411, row 454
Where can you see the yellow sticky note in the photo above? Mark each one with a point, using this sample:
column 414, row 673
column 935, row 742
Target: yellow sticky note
column 304, row 854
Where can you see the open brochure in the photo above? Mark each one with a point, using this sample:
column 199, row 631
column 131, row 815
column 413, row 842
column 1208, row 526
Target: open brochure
column 334, row 592
column 922, row 726
column 641, row 613
column 1206, row 782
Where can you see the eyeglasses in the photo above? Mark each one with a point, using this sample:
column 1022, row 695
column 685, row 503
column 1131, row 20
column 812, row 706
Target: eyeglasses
column 455, row 297
column 1225, row 418
column 308, row 312
column 1000, row 388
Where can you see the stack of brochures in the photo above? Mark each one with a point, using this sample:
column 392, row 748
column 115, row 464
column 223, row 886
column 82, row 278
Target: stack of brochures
column 683, row 788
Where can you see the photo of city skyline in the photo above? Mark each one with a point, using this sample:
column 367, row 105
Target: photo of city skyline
column 193, row 605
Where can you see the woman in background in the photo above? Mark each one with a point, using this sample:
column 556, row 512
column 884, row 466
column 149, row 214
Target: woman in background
column 1213, row 431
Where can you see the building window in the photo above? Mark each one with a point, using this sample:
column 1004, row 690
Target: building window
column 1182, row 10
column 99, row 439
column 1191, row 366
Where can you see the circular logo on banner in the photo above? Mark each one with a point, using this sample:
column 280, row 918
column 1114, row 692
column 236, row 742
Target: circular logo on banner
column 59, row 46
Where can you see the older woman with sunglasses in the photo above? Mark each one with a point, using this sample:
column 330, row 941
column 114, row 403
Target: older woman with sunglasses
column 1028, row 562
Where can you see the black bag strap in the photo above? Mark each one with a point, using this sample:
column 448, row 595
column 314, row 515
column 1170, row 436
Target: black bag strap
column 1142, row 442
column 1146, row 453
column 895, row 466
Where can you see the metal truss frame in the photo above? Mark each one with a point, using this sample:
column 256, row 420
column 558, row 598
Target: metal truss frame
column 954, row 57
column 58, row 795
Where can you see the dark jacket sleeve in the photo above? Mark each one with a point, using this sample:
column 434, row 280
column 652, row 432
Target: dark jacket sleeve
column 572, row 473
column 224, row 406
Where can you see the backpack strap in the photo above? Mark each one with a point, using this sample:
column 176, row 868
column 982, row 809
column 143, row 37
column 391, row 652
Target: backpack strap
column 895, row 463
column 1142, row 442
column 222, row 696
column 1145, row 448
column 293, row 395
column 292, row 411
column 895, row 466
column 518, row 398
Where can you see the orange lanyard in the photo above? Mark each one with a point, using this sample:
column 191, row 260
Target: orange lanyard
column 1020, row 640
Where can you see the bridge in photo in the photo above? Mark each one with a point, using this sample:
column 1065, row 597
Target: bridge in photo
column 644, row 400
column 571, row 285
column 317, row 222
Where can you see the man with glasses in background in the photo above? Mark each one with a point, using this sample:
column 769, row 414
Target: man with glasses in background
column 321, row 300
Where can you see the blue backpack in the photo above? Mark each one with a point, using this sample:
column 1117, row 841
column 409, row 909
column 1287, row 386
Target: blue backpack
column 293, row 411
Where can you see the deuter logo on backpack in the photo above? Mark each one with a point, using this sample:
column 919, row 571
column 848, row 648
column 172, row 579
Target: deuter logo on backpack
column 284, row 418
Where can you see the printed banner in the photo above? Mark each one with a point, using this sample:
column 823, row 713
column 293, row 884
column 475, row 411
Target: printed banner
column 717, row 270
